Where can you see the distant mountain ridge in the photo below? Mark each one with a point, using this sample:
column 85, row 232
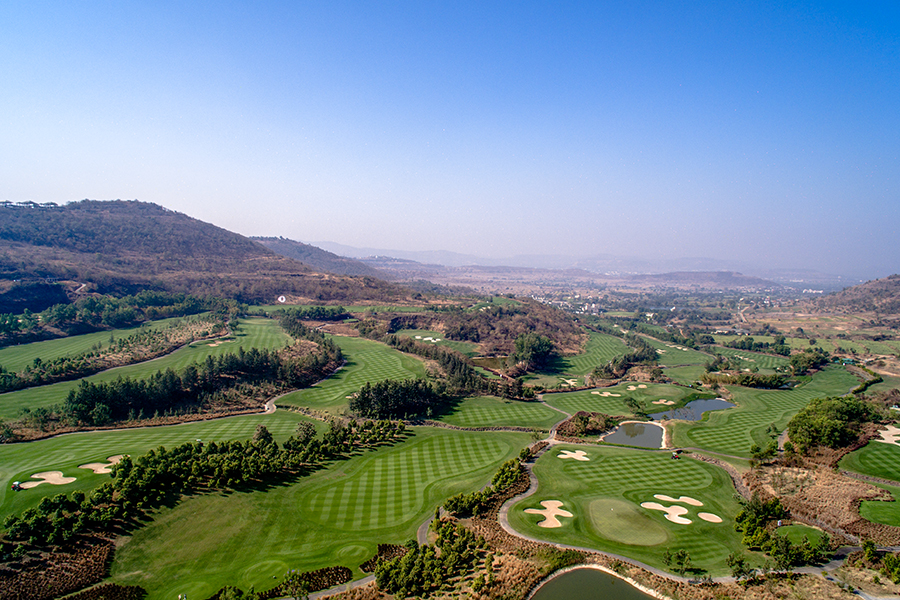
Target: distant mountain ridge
column 879, row 295
column 319, row 259
column 599, row 264
column 126, row 246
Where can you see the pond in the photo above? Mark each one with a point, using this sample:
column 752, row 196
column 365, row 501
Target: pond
column 693, row 411
column 644, row 435
column 588, row 584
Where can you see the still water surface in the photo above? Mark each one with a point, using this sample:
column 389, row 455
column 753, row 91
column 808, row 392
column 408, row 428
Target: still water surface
column 588, row 584
column 693, row 411
column 643, row 435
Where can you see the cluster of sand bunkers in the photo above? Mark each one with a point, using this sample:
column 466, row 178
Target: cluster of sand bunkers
column 890, row 435
column 57, row 478
column 633, row 388
column 433, row 340
column 675, row 511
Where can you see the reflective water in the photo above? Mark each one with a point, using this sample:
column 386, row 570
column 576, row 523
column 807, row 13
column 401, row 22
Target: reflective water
column 693, row 411
column 644, row 435
column 588, row 584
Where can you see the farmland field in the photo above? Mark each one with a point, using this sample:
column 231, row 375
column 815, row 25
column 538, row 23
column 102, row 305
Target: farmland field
column 335, row 516
column 604, row 495
column 251, row 333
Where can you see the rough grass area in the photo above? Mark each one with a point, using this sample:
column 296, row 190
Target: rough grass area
column 491, row 411
column 366, row 361
column 733, row 431
column 336, row 516
column 876, row 459
column 251, row 333
column 605, row 494
column 64, row 453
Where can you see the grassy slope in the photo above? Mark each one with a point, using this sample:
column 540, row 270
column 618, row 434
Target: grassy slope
column 252, row 333
column 335, row 516
column 605, row 493
column 733, row 431
column 367, row 361
column 15, row 358
column 876, row 459
column 493, row 411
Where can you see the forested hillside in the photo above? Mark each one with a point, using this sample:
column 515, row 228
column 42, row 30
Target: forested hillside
column 127, row 246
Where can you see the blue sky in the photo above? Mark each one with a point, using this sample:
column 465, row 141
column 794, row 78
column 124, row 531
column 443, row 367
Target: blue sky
column 767, row 132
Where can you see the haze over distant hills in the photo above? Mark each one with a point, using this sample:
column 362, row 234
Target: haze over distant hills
column 604, row 264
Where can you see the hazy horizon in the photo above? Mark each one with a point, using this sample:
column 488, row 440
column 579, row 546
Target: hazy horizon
column 765, row 135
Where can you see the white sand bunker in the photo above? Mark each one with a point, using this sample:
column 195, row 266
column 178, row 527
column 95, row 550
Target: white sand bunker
column 681, row 499
column 571, row 382
column 550, row 513
column 660, row 351
column 51, row 477
column 103, row 467
column 891, row 435
column 676, row 513
column 577, row 455
column 631, row 388
column 673, row 513
column 662, row 401
column 607, row 394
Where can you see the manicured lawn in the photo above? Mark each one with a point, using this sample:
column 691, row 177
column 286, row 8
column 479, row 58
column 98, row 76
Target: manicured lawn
column 596, row 401
column 64, row 453
column 15, row 358
column 605, row 494
column 422, row 335
column 797, row 534
column 367, row 361
column 492, row 411
column 733, row 431
column 251, row 333
column 335, row 516
column 600, row 349
column 677, row 355
column 685, row 375
column 883, row 512
column 876, row 459
column 748, row 360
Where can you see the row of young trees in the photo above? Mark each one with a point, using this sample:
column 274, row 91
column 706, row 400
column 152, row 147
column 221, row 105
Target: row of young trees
column 161, row 474
column 475, row 502
column 424, row 570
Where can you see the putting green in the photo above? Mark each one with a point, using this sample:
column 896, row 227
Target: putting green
column 622, row 479
column 625, row 522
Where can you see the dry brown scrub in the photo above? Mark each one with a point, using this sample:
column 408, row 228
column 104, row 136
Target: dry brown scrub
column 59, row 573
column 824, row 498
